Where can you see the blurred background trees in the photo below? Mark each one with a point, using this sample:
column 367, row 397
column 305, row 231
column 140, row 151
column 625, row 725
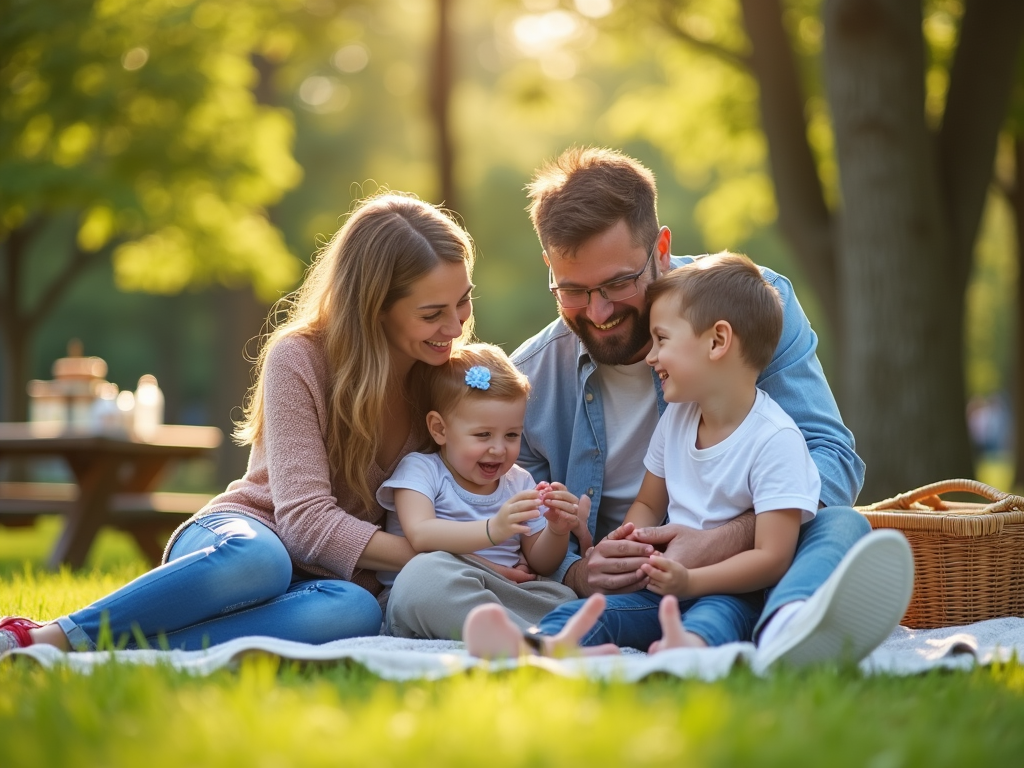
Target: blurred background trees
column 168, row 166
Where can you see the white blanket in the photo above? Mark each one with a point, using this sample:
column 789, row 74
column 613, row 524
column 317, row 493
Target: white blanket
column 906, row 652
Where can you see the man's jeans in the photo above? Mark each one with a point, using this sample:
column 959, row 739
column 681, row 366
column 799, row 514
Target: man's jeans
column 632, row 619
column 227, row 576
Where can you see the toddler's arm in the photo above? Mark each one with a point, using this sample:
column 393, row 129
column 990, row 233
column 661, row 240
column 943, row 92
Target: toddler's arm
column 545, row 550
column 427, row 533
column 775, row 536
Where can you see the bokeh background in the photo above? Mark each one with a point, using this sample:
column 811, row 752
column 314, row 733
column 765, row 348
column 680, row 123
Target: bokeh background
column 169, row 167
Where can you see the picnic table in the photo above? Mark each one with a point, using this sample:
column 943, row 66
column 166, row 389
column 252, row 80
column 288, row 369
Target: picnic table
column 114, row 481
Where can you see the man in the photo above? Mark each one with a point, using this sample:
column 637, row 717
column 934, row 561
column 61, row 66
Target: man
column 595, row 403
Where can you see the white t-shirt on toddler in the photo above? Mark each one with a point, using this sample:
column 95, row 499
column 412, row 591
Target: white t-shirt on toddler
column 427, row 474
column 763, row 465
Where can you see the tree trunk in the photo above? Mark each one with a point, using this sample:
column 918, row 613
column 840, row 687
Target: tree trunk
column 1017, row 201
column 440, row 98
column 980, row 82
column 902, row 352
column 240, row 318
column 16, row 322
column 16, row 372
column 804, row 217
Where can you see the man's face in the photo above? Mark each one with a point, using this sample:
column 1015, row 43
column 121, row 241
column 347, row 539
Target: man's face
column 614, row 332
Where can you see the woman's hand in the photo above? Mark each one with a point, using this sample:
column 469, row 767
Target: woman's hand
column 511, row 518
column 516, row 574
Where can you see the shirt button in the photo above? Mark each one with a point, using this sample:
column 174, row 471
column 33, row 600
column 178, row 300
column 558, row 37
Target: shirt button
column 590, row 397
column 590, row 491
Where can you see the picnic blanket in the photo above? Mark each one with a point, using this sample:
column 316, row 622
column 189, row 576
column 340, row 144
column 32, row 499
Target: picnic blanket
column 905, row 652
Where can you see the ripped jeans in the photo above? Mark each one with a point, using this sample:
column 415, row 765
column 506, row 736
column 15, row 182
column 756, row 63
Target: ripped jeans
column 227, row 576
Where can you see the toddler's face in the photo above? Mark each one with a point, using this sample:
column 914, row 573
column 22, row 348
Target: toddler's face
column 678, row 355
column 481, row 441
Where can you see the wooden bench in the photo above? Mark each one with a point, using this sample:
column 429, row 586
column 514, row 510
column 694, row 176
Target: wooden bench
column 148, row 517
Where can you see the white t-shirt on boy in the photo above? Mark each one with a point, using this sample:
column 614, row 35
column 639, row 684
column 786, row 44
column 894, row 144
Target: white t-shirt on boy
column 763, row 465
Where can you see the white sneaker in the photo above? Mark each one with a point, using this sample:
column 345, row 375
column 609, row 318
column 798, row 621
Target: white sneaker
column 857, row 608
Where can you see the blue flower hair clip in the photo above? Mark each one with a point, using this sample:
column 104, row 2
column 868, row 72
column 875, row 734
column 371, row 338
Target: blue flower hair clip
column 478, row 377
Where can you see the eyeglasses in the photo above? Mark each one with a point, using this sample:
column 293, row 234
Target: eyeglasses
column 619, row 289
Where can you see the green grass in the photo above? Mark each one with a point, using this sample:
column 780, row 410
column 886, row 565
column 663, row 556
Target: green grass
column 269, row 714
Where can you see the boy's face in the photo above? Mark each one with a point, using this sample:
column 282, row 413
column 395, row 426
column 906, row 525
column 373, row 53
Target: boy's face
column 678, row 355
column 480, row 440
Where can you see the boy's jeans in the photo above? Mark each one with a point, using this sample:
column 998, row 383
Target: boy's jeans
column 227, row 576
column 632, row 619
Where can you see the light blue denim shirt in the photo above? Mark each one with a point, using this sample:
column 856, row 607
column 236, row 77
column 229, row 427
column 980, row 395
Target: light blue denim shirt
column 564, row 434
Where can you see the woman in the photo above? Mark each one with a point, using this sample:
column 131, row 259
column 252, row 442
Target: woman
column 291, row 549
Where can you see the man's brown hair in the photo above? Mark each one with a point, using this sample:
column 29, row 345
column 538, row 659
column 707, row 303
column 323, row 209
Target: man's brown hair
column 727, row 286
column 585, row 191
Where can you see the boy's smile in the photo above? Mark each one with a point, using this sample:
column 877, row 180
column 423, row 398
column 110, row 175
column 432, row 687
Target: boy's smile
column 678, row 355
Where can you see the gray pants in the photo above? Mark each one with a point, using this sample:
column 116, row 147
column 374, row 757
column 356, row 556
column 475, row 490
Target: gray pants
column 435, row 592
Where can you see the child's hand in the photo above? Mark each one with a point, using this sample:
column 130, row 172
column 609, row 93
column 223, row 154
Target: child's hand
column 511, row 518
column 561, row 507
column 667, row 577
column 581, row 513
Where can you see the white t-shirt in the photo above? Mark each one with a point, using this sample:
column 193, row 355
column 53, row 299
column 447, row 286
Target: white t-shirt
column 630, row 416
column 764, row 465
column 426, row 473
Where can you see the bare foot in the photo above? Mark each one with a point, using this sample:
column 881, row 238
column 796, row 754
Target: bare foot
column 673, row 633
column 50, row 634
column 490, row 634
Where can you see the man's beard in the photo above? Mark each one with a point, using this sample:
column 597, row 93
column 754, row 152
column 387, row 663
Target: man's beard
column 613, row 350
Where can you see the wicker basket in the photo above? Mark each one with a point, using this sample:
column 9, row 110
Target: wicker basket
column 968, row 558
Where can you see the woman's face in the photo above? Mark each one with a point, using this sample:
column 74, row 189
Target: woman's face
column 422, row 325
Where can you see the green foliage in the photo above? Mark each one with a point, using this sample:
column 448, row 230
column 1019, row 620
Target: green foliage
column 140, row 118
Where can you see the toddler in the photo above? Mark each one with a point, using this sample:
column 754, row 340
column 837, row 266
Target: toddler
column 465, row 494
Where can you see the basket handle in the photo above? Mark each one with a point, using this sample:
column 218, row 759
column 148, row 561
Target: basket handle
column 929, row 495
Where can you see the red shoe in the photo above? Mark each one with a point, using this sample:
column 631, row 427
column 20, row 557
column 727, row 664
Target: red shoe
column 16, row 629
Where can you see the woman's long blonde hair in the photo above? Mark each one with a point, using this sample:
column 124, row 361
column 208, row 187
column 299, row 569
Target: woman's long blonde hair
column 389, row 242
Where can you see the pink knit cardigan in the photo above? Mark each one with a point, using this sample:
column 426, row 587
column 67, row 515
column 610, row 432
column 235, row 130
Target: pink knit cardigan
column 288, row 484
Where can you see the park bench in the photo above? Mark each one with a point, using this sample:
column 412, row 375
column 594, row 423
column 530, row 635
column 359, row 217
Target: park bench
column 147, row 517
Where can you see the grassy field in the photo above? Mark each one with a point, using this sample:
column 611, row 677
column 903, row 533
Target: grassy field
column 267, row 714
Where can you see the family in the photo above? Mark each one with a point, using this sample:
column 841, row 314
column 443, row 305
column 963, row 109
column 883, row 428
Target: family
column 662, row 466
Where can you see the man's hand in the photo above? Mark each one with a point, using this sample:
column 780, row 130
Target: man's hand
column 613, row 566
column 693, row 548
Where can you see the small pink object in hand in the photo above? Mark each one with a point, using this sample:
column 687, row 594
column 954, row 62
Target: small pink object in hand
column 543, row 488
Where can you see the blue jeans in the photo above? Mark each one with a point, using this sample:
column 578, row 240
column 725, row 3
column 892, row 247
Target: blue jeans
column 227, row 576
column 632, row 619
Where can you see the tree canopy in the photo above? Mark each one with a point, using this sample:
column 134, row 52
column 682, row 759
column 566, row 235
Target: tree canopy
column 135, row 120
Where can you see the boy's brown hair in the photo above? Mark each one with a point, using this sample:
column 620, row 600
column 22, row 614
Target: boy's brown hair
column 727, row 286
column 585, row 191
column 444, row 386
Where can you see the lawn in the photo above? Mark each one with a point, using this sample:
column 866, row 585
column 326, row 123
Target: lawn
column 268, row 714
